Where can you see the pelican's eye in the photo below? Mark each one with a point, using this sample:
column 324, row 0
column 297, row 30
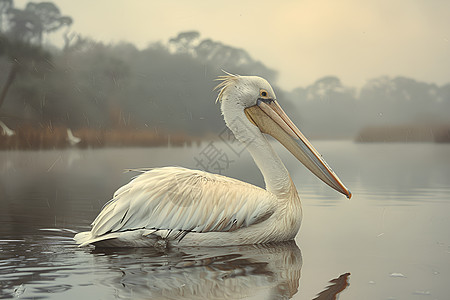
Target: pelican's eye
column 263, row 93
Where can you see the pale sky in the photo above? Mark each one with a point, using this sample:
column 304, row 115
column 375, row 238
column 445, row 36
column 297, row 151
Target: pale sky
column 302, row 40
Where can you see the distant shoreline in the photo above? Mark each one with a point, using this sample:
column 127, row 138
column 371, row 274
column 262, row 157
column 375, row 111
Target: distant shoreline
column 31, row 138
column 404, row 134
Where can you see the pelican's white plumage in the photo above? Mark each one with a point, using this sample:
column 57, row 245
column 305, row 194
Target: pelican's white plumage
column 195, row 208
column 6, row 130
column 73, row 140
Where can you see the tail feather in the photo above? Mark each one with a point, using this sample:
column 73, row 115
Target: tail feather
column 137, row 238
column 82, row 237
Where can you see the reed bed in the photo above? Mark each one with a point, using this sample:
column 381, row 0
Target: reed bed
column 405, row 134
column 32, row 138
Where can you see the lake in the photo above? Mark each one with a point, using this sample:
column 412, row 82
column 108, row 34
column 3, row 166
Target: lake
column 393, row 236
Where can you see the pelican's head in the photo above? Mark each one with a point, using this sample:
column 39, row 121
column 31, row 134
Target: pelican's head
column 249, row 107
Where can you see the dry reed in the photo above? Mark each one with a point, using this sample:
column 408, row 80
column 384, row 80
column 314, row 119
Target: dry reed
column 31, row 138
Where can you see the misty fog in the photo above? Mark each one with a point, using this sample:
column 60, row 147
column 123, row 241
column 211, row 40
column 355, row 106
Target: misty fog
column 167, row 88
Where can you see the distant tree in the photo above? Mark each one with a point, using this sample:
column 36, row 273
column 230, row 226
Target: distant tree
column 21, row 42
column 37, row 19
column 219, row 55
column 22, row 56
column 23, row 25
column 326, row 108
column 184, row 42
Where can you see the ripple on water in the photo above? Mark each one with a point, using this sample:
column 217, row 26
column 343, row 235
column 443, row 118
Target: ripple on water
column 30, row 266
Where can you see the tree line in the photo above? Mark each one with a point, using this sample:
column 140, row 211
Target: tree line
column 169, row 85
column 327, row 108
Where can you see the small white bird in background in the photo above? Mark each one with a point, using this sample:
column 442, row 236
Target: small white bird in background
column 73, row 140
column 6, row 130
column 182, row 207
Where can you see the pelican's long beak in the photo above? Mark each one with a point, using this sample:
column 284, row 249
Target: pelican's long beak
column 270, row 118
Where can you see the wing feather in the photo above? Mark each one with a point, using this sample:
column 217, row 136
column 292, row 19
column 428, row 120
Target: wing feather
column 183, row 200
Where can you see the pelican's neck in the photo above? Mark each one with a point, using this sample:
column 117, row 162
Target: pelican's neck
column 276, row 176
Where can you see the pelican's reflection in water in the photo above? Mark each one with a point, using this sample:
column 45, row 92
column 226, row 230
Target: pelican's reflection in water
column 263, row 271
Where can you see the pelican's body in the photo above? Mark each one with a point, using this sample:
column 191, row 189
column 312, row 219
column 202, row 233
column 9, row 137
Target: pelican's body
column 186, row 207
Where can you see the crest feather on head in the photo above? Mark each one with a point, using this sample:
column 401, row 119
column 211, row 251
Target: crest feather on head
column 227, row 80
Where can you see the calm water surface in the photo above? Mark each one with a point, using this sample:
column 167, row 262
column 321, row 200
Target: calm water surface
column 392, row 236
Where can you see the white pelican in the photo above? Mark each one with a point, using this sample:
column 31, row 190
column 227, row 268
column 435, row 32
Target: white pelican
column 73, row 140
column 6, row 130
column 182, row 207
